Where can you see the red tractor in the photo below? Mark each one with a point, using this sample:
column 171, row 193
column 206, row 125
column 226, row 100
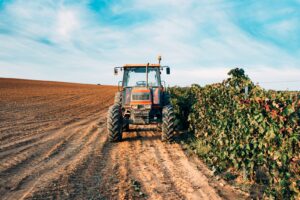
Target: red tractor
column 141, row 100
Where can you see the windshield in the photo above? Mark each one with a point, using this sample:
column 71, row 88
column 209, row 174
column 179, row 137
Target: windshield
column 137, row 77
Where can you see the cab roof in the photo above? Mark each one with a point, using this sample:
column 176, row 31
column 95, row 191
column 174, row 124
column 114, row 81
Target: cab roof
column 140, row 65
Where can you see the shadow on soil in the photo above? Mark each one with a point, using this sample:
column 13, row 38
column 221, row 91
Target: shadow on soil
column 137, row 134
column 140, row 129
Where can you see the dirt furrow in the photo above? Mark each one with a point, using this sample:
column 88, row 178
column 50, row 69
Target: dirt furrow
column 41, row 135
column 80, row 180
column 47, row 169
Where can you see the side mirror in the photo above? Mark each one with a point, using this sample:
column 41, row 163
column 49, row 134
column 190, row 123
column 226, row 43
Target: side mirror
column 168, row 70
column 116, row 71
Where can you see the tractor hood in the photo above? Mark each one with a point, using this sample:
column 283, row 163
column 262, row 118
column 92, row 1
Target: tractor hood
column 141, row 96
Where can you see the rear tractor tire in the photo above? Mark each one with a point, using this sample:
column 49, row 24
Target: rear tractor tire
column 114, row 123
column 168, row 123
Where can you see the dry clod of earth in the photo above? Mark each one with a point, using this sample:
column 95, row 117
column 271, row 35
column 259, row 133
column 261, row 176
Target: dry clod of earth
column 53, row 145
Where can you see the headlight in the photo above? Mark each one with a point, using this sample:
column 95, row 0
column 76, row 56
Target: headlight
column 134, row 106
column 148, row 106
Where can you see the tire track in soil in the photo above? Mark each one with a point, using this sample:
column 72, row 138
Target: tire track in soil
column 160, row 182
column 143, row 167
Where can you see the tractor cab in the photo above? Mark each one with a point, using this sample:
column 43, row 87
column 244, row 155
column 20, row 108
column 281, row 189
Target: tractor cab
column 144, row 75
column 136, row 76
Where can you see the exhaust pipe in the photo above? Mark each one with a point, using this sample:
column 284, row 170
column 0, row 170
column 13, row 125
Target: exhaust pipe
column 147, row 74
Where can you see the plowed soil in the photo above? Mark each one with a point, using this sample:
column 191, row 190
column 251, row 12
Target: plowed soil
column 53, row 145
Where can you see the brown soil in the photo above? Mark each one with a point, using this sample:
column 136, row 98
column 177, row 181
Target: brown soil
column 53, row 145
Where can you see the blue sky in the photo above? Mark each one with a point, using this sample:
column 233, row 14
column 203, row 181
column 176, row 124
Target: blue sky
column 81, row 41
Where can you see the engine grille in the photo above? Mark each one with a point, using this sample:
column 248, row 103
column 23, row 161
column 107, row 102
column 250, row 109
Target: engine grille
column 141, row 113
column 140, row 96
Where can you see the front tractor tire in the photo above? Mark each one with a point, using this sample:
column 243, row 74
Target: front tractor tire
column 114, row 123
column 168, row 123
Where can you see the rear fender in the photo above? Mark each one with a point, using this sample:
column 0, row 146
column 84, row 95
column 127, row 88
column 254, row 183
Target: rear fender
column 156, row 96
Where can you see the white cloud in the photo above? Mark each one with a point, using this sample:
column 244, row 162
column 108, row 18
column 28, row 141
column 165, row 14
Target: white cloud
column 67, row 23
column 186, row 77
column 271, row 78
column 283, row 28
